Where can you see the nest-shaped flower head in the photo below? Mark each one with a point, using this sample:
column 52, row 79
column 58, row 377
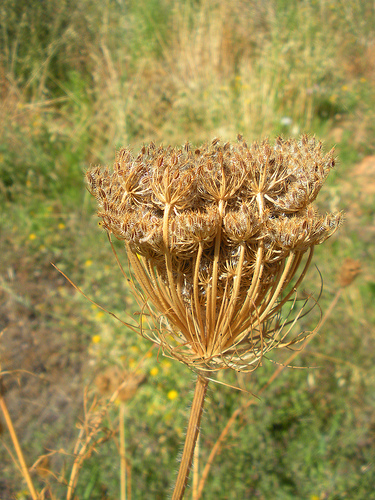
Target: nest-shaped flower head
column 215, row 237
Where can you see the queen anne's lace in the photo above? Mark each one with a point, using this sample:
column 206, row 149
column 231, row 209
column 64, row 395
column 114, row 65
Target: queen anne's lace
column 214, row 237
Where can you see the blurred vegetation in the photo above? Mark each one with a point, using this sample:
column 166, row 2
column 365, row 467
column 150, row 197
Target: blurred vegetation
column 80, row 79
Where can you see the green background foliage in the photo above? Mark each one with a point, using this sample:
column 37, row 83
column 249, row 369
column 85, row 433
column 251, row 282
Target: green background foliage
column 77, row 81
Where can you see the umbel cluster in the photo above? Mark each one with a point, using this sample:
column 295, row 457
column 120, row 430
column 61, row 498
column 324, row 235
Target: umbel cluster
column 218, row 239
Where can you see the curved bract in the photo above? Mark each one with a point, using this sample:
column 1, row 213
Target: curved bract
column 218, row 239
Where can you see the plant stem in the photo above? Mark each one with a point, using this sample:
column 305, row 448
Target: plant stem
column 17, row 447
column 191, row 437
column 196, row 469
column 122, row 450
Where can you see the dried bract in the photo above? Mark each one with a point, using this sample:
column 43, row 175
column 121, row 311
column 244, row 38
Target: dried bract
column 215, row 238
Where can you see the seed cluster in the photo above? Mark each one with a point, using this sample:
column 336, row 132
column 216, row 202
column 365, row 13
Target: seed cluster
column 214, row 237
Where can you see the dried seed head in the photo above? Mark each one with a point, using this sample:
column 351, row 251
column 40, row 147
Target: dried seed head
column 349, row 271
column 215, row 237
column 113, row 379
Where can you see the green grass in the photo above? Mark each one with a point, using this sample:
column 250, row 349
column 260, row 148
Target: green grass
column 79, row 80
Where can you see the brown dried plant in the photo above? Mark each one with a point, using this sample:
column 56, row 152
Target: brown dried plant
column 115, row 385
column 349, row 271
column 126, row 384
column 215, row 238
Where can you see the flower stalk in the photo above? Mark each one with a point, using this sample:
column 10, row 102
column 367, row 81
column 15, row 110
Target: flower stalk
column 191, row 437
column 215, row 239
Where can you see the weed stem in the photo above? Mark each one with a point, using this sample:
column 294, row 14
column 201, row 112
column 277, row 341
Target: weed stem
column 122, row 450
column 191, row 437
column 17, row 447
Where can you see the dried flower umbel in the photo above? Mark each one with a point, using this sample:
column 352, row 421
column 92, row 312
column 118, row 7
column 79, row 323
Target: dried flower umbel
column 215, row 237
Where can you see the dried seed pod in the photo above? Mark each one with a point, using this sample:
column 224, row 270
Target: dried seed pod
column 241, row 225
column 215, row 236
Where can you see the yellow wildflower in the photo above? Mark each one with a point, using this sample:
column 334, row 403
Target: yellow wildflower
column 173, row 394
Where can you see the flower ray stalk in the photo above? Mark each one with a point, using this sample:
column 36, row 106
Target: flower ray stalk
column 347, row 281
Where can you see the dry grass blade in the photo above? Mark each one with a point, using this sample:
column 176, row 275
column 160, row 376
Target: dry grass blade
column 16, row 444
